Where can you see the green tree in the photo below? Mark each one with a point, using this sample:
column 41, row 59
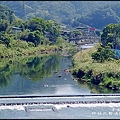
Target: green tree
column 34, row 37
column 37, row 24
column 3, row 25
column 111, row 35
column 54, row 30
column 6, row 13
column 24, row 34
column 77, row 32
column 5, row 38
column 103, row 53
column 17, row 22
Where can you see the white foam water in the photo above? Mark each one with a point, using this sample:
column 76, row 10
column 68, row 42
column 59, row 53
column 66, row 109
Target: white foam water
column 89, row 105
column 60, row 106
column 12, row 107
column 39, row 109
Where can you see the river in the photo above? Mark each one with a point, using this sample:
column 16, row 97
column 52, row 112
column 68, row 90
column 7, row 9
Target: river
column 39, row 76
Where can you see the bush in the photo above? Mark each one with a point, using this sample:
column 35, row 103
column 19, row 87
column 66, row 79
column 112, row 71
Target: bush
column 103, row 53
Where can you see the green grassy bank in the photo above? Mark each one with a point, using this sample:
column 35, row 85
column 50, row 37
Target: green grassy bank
column 23, row 48
column 106, row 74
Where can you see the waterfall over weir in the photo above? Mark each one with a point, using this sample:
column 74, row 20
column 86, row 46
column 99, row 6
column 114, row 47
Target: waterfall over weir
column 59, row 99
column 61, row 106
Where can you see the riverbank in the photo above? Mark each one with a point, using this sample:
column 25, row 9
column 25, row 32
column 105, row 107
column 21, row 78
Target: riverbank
column 22, row 48
column 105, row 74
column 27, row 51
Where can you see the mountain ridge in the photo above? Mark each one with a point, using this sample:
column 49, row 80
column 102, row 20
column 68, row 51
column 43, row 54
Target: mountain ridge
column 68, row 12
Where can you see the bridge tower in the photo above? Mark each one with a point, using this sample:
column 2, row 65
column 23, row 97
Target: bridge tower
column 24, row 9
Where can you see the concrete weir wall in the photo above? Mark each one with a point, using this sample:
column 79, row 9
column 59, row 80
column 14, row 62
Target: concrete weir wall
column 63, row 102
column 59, row 99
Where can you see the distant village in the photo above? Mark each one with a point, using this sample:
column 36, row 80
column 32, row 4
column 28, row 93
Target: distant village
column 89, row 35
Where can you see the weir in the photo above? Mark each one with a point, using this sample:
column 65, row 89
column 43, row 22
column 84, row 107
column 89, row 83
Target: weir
column 63, row 102
column 59, row 99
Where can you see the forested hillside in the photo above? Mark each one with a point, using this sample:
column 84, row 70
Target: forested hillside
column 101, row 17
column 6, row 14
column 94, row 13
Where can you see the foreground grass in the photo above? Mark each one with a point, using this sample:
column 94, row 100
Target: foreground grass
column 83, row 60
column 109, row 69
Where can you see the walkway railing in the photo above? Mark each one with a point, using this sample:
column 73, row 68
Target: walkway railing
column 39, row 96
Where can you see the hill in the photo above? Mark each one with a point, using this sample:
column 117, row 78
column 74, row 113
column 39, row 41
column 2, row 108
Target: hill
column 94, row 13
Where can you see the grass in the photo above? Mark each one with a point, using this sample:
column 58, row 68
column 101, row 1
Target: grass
column 83, row 60
column 22, row 48
column 110, row 70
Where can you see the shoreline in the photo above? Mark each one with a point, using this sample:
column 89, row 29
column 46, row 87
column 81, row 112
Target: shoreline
column 101, row 74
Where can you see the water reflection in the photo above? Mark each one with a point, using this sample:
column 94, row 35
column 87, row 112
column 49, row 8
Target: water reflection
column 5, row 74
column 32, row 68
column 39, row 68
column 36, row 75
column 39, row 76
column 97, row 89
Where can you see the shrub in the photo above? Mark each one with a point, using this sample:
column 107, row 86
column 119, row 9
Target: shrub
column 103, row 53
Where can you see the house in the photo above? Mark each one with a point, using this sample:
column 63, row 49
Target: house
column 17, row 29
column 65, row 32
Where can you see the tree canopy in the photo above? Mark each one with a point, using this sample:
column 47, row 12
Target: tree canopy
column 111, row 35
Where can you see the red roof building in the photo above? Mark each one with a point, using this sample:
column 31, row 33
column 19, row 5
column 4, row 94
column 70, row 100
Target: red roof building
column 92, row 29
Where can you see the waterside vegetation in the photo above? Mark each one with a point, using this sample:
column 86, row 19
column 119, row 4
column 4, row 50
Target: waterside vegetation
column 106, row 74
column 100, row 65
column 31, row 37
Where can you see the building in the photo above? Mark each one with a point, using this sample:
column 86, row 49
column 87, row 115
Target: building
column 17, row 29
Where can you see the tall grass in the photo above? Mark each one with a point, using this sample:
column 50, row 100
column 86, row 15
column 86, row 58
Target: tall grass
column 83, row 60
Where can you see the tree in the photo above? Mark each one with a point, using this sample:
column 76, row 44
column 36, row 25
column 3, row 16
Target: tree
column 111, row 35
column 24, row 34
column 5, row 38
column 34, row 37
column 75, row 33
column 3, row 25
column 103, row 53
column 6, row 14
column 38, row 30
column 54, row 30
column 17, row 22
column 37, row 24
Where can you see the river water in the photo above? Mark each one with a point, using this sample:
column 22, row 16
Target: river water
column 39, row 76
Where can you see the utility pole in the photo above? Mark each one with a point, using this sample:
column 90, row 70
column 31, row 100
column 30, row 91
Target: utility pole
column 24, row 8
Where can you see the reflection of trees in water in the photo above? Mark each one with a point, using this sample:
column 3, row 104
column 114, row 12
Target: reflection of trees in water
column 42, row 67
column 4, row 80
column 34, row 68
column 96, row 89
column 5, row 75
